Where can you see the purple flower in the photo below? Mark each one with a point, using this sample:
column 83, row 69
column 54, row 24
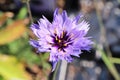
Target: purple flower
column 62, row 38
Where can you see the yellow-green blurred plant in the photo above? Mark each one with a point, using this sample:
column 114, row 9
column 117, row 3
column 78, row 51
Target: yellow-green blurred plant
column 15, row 51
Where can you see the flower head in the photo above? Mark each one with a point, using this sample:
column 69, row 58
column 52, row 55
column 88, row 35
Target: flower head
column 63, row 37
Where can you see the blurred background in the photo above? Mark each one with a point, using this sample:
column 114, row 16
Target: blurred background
column 19, row 61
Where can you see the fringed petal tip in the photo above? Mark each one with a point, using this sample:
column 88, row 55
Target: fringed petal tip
column 54, row 65
column 34, row 43
column 77, row 18
column 56, row 12
column 64, row 15
column 34, row 26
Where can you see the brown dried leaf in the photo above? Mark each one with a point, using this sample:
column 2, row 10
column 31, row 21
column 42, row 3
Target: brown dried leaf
column 5, row 16
column 12, row 32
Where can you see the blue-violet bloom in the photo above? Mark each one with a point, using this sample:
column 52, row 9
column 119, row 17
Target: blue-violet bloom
column 63, row 37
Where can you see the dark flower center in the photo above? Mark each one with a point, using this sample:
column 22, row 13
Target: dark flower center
column 61, row 42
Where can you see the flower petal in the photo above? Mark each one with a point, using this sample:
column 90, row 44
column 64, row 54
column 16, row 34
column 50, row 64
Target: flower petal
column 67, row 25
column 54, row 65
column 34, row 43
column 35, row 28
column 83, row 26
column 64, row 15
column 63, row 37
column 77, row 18
column 56, row 12
column 83, row 44
column 73, row 50
column 76, row 52
column 68, row 58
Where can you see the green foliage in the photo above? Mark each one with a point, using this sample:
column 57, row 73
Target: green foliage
column 108, row 63
column 11, row 69
column 1, row 78
column 15, row 49
column 44, row 59
column 22, row 13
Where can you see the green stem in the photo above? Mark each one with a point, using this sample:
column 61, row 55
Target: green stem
column 29, row 11
column 114, row 60
column 109, row 65
column 119, row 1
column 103, row 39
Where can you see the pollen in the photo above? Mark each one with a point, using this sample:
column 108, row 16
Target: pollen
column 59, row 41
column 56, row 38
column 62, row 34
column 65, row 45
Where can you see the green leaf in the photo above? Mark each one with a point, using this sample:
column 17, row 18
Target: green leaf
column 44, row 59
column 22, row 13
column 11, row 69
column 46, row 65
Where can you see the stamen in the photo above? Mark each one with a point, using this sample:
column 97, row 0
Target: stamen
column 49, row 43
column 71, row 35
column 63, row 41
column 62, row 34
column 68, row 42
column 56, row 38
column 59, row 40
column 65, row 44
